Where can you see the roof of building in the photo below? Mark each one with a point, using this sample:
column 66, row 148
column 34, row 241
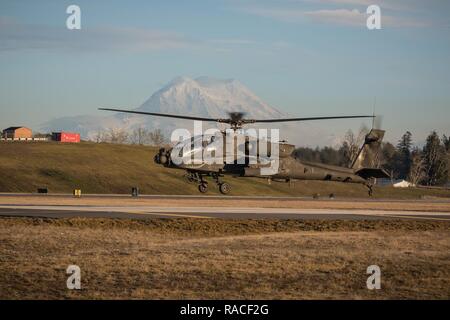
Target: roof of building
column 14, row 128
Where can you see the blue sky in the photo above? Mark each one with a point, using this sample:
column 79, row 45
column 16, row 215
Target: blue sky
column 305, row 57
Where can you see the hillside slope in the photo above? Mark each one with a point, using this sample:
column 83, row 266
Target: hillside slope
column 111, row 168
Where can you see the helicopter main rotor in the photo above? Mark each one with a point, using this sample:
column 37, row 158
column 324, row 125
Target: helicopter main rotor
column 236, row 119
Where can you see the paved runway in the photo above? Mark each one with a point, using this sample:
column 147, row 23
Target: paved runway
column 146, row 212
column 218, row 197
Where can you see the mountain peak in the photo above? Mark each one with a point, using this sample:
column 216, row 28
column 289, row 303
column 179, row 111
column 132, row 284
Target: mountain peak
column 203, row 81
column 208, row 97
column 206, row 81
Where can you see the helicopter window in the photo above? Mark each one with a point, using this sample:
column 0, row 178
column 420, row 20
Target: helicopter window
column 209, row 141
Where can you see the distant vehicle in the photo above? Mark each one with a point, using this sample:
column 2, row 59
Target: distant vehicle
column 363, row 169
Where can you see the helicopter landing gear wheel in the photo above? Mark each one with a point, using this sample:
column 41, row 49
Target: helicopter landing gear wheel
column 203, row 187
column 224, row 188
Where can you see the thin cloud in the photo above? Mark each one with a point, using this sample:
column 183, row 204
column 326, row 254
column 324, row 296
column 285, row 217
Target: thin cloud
column 384, row 4
column 340, row 17
column 357, row 18
column 394, row 5
column 15, row 36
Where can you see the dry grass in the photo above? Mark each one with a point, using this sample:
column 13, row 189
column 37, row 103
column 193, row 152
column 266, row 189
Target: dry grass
column 246, row 259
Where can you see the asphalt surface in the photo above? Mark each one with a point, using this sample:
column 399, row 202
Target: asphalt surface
column 147, row 212
column 64, row 211
column 219, row 197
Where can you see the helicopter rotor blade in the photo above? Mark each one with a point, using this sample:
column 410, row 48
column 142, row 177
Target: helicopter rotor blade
column 234, row 117
column 307, row 119
column 162, row 115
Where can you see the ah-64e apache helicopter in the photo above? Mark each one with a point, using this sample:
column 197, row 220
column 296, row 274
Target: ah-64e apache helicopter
column 249, row 163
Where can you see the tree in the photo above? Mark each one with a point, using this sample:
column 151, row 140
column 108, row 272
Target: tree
column 140, row 136
column 352, row 144
column 388, row 155
column 117, row 136
column 101, row 136
column 435, row 161
column 403, row 156
column 157, row 137
column 446, row 142
column 417, row 168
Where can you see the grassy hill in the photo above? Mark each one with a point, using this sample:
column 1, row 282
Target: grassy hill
column 111, row 168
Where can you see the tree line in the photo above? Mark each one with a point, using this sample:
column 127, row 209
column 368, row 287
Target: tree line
column 140, row 136
column 428, row 165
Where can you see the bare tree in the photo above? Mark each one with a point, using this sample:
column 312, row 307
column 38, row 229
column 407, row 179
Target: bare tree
column 117, row 136
column 157, row 137
column 101, row 136
column 352, row 144
column 140, row 136
column 417, row 170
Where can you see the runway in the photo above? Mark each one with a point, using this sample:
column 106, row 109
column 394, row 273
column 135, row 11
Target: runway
column 215, row 197
column 149, row 212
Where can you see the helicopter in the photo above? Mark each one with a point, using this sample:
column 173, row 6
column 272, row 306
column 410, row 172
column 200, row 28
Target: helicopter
column 259, row 156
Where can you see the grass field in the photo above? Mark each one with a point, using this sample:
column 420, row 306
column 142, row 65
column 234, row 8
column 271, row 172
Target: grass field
column 108, row 168
column 223, row 259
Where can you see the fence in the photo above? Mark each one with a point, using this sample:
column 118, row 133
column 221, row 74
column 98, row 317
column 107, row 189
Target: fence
column 24, row 139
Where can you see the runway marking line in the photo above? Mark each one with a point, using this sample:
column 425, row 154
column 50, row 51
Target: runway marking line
column 170, row 214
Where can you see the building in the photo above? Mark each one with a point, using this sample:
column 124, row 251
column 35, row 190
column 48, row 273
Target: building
column 66, row 137
column 17, row 133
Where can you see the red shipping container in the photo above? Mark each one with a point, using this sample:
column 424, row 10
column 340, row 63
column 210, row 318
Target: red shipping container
column 66, row 137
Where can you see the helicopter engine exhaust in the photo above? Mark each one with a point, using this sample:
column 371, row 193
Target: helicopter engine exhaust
column 163, row 157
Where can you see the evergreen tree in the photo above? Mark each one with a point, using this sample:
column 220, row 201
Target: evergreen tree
column 435, row 161
column 388, row 155
column 446, row 142
column 403, row 157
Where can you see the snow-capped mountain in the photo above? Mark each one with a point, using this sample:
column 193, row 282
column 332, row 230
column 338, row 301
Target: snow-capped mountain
column 209, row 97
column 204, row 97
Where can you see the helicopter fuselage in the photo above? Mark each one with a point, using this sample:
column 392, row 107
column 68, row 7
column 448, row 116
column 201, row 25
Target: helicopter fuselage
column 288, row 168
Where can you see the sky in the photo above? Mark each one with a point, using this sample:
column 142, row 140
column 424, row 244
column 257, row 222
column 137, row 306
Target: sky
column 304, row 57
